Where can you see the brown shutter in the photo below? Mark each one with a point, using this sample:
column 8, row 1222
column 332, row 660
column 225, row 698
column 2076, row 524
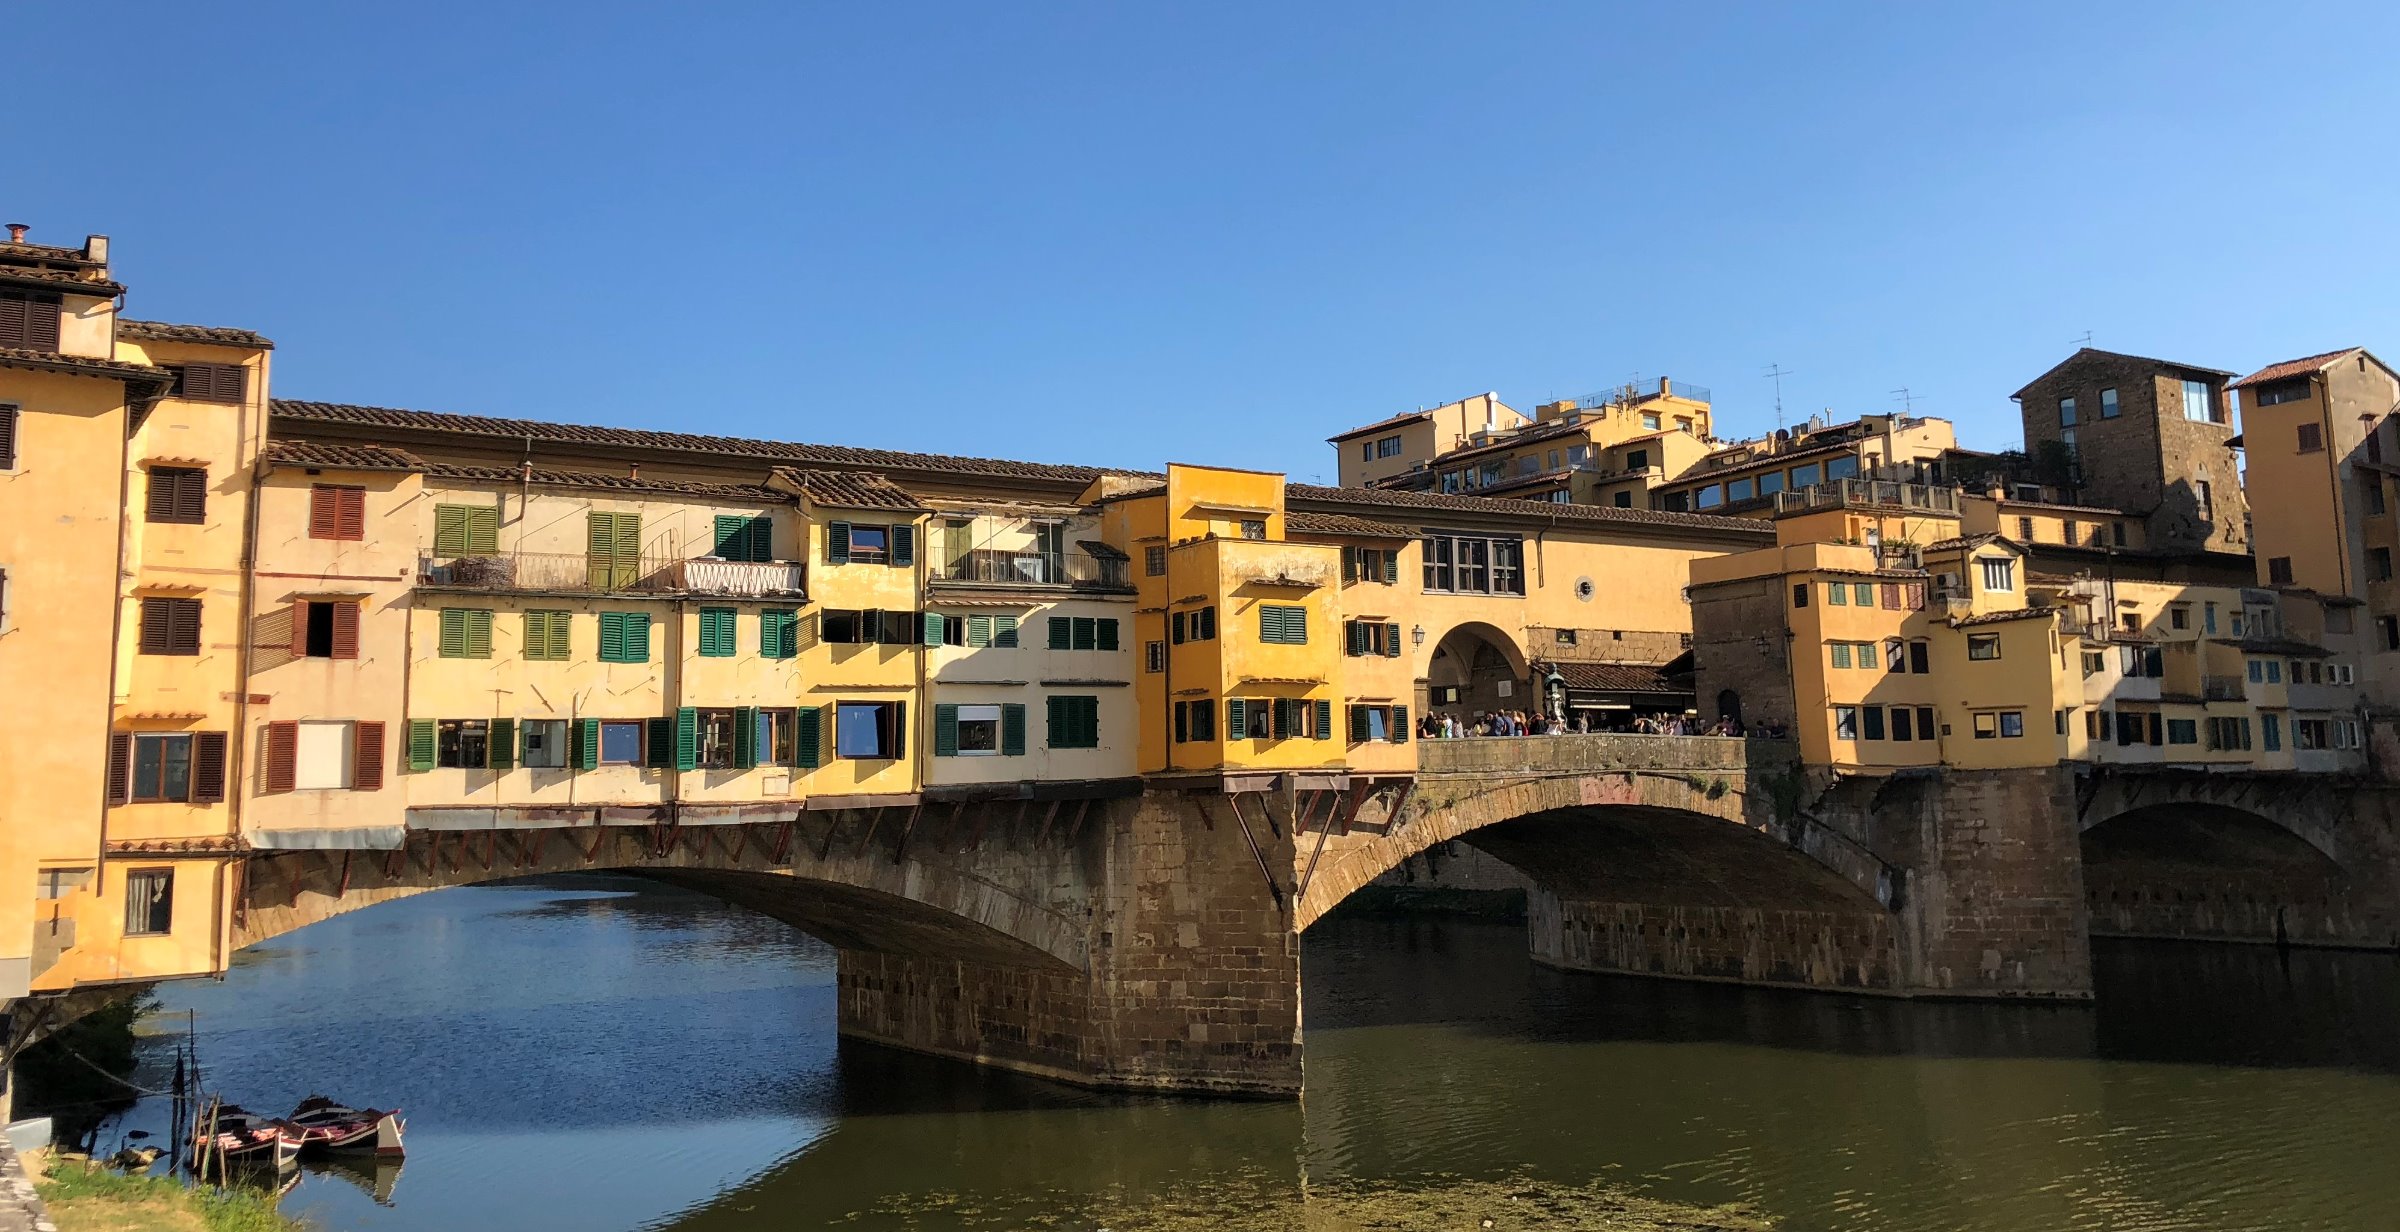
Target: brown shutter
column 324, row 512
column 12, row 319
column 350, row 513
column 283, row 756
column 154, row 637
column 366, row 757
column 160, row 507
column 120, row 767
column 183, row 626
column 345, row 630
column 208, row 767
column 41, row 324
column 191, row 496
column 299, row 628
column 8, row 438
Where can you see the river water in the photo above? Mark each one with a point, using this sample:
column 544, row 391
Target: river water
column 585, row 1053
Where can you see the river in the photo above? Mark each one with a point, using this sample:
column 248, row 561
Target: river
column 588, row 1053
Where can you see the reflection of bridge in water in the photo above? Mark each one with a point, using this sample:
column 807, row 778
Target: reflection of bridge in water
column 1152, row 941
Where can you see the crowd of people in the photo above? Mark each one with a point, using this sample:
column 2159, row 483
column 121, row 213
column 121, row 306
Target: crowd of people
column 1444, row 726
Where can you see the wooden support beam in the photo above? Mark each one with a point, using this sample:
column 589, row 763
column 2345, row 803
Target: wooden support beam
column 874, row 820
column 1300, row 892
column 395, row 861
column 908, row 828
column 974, row 835
column 1357, row 796
column 1233, row 801
column 783, row 843
column 599, row 836
column 1391, row 819
column 343, row 887
column 1049, row 816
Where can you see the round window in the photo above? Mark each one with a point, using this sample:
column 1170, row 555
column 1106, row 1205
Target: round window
column 1583, row 589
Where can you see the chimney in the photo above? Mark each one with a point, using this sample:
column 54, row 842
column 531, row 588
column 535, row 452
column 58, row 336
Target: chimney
column 636, row 472
column 16, row 232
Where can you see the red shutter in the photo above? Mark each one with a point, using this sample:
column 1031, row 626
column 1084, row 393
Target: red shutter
column 350, row 514
column 366, row 758
column 345, row 630
column 208, row 768
column 299, row 628
column 324, row 515
column 283, row 756
column 120, row 767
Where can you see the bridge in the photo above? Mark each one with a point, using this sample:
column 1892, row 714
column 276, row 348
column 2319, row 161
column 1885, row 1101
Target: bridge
column 1151, row 941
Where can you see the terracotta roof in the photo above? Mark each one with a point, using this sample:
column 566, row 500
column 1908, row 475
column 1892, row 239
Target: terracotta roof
column 2083, row 351
column 745, row 493
column 2294, row 367
column 59, row 280
column 20, row 250
column 52, row 361
column 1993, row 618
column 1303, row 523
column 2025, row 504
column 335, row 455
column 2284, row 646
column 1434, row 502
column 160, row 331
column 1101, row 551
column 1970, row 541
column 1615, row 677
column 850, row 489
column 1380, row 424
column 302, row 412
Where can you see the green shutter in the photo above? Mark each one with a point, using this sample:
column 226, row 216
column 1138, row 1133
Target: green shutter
column 1358, row 725
column 733, row 537
column 587, row 744
column 483, row 530
column 1391, row 567
column 945, row 731
column 745, row 738
column 420, row 744
column 1324, row 720
column 762, row 538
column 1207, row 624
column 1391, row 640
column 808, row 726
column 837, row 543
column 687, row 738
column 449, row 530
column 1349, row 564
column 1235, row 728
column 637, row 637
column 599, row 548
column 933, row 628
column 778, row 633
column 479, row 633
column 1399, row 725
column 1061, row 637
column 899, row 749
column 1004, row 631
column 904, row 545
column 1012, row 730
column 454, row 633
column 612, row 637
column 1108, row 633
column 1353, row 642
column 503, row 744
column 1086, row 633
column 717, row 627
column 979, row 630
column 1287, row 717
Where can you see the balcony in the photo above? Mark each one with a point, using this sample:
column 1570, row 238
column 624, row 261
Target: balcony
column 1002, row 567
column 1847, row 493
column 2222, row 689
column 564, row 573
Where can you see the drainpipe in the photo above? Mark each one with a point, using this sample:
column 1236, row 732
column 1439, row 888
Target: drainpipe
column 2333, row 479
column 237, row 756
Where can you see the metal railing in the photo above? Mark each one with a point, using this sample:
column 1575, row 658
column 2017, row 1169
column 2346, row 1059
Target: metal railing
column 1000, row 566
column 569, row 573
column 1844, row 492
column 2222, row 689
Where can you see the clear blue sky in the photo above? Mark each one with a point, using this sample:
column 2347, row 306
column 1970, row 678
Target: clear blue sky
column 1132, row 233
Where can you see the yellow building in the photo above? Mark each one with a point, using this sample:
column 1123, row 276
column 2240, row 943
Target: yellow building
column 1600, row 450
column 1763, row 476
column 1387, row 448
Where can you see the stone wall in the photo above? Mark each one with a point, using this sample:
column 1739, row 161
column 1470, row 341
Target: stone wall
column 2149, row 459
column 1739, row 644
column 1822, row 949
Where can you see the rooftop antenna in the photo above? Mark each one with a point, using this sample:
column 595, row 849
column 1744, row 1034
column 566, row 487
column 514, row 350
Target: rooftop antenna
column 2086, row 340
column 1777, row 372
column 1907, row 400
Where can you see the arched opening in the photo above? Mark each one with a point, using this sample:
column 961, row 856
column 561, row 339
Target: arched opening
column 1475, row 668
column 1729, row 705
column 2210, row 872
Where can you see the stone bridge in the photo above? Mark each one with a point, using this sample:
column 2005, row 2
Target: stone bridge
column 1152, row 941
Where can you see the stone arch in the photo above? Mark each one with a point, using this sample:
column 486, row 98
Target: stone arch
column 2183, row 865
column 863, row 895
column 2307, row 809
column 1473, row 656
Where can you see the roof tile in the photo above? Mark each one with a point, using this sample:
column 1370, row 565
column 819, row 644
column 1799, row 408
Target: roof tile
column 2291, row 368
column 160, row 331
column 1308, row 523
column 1615, row 677
column 340, row 456
column 1433, row 502
column 850, row 489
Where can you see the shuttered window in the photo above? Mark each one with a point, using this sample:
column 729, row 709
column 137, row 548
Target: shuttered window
column 744, row 538
column 281, row 772
column 549, row 635
column 228, row 383
column 465, row 530
column 177, row 494
column 716, row 632
column 336, row 511
column 466, row 633
column 29, row 320
column 778, row 633
column 8, row 438
column 170, row 626
column 1282, row 624
column 625, row 637
column 324, row 629
column 613, row 549
column 1074, row 722
column 366, row 757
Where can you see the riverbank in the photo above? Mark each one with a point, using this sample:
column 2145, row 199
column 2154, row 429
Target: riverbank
column 84, row 1197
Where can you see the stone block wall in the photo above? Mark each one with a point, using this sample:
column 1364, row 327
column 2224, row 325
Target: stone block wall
column 1793, row 947
column 1994, row 905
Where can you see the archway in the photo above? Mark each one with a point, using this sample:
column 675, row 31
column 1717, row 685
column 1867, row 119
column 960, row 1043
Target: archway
column 2191, row 870
column 1476, row 667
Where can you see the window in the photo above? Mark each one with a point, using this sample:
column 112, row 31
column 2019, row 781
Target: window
column 466, row 633
column 1841, row 468
column 2258, row 671
column 162, row 768
column 2229, row 733
column 2311, row 734
column 2093, row 663
column 1381, row 639
column 1709, row 497
column 2066, row 412
column 1895, row 655
column 1837, row 594
column 744, row 537
column 1871, row 722
column 322, row 755
column 1154, row 561
column 2207, row 498
column 1738, row 490
column 467, row 530
column 2379, row 564
column 1637, row 459
column 870, row 731
column 1925, row 723
column 1370, row 565
column 625, row 637
column 869, row 545
column 325, row 629
column 227, row 383
column 1920, row 657
column 621, row 743
column 1083, row 633
column 2108, row 404
column 2270, row 732
column 966, row 731
column 2197, row 405
column 778, row 633
column 1281, row 624
column 2374, row 493
column 2025, row 529
column 2012, row 724
column 545, row 743
column 717, row 625
column 1999, row 575
column 1650, row 421
column 1248, row 719
column 1074, row 722
column 1195, row 721
column 1845, row 722
column 1901, row 727
column 2311, row 438
column 2346, row 734
column 1841, row 654
column 1862, row 594
column 1987, row 725
column 1388, row 447
column 462, row 743
column 984, row 631
column 1254, row 528
column 1800, row 595
column 177, row 494
column 1770, row 483
column 2387, row 629
column 1474, row 564
column 2183, row 731
column 1154, row 656
column 717, row 735
column 149, row 902
column 2280, row 392
column 1196, row 625
column 170, row 626
column 2179, row 615
column 778, row 737
column 1983, row 646
column 337, row 512
column 29, row 319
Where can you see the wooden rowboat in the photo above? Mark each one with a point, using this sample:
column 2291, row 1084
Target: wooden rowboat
column 325, row 1127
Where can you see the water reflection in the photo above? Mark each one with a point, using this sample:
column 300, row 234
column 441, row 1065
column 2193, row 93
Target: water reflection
column 587, row 1054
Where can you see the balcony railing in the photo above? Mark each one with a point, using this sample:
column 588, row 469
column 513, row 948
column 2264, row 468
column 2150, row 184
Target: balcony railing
column 1002, row 567
column 567, row 573
column 2222, row 689
column 1846, row 492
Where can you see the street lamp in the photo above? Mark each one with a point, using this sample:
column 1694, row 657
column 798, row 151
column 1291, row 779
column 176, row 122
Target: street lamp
column 1417, row 635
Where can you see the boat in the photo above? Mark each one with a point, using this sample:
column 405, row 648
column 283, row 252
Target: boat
column 241, row 1136
column 325, row 1127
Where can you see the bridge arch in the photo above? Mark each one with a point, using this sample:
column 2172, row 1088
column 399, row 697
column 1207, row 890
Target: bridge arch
column 1465, row 666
